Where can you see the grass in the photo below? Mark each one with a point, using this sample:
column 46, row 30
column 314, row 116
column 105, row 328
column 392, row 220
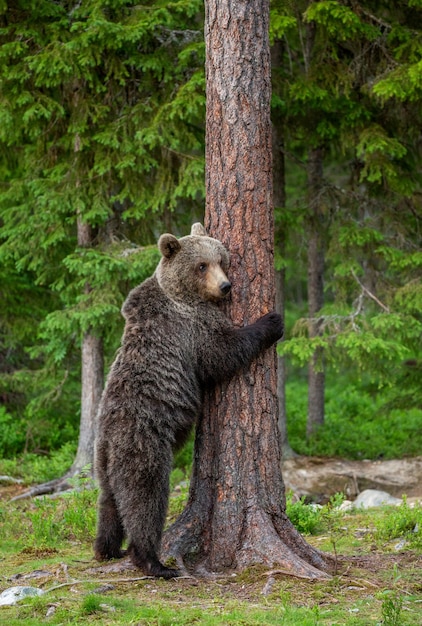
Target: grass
column 47, row 543
column 36, row 468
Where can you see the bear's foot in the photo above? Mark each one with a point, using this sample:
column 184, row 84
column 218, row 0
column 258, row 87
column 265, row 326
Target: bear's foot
column 101, row 556
column 105, row 550
column 161, row 571
column 150, row 564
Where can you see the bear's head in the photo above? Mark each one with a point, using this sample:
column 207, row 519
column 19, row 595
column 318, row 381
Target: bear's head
column 193, row 268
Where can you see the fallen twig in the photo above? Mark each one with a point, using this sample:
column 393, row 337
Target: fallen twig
column 53, row 486
column 107, row 581
column 288, row 573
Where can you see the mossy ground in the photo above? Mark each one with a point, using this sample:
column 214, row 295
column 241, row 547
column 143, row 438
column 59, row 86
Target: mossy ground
column 47, row 544
column 81, row 594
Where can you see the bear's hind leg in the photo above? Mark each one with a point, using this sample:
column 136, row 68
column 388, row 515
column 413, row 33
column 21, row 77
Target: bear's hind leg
column 110, row 533
column 143, row 504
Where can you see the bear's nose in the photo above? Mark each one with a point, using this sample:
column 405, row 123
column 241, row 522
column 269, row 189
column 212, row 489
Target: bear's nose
column 225, row 287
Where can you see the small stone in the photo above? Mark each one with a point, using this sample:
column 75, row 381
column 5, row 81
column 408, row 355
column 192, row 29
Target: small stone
column 268, row 586
column 400, row 545
column 51, row 610
column 104, row 588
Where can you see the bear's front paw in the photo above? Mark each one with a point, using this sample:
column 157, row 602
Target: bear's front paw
column 273, row 324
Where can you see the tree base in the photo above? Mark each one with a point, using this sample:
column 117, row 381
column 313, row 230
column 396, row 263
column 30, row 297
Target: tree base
column 275, row 544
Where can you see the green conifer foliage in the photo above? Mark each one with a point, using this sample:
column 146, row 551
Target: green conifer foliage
column 101, row 122
column 359, row 97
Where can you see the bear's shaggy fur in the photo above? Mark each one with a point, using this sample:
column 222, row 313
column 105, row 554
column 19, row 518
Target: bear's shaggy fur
column 176, row 342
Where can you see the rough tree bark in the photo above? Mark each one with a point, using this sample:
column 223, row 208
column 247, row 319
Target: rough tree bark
column 235, row 516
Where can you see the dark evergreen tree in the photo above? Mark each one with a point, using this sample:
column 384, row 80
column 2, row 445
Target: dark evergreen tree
column 101, row 110
column 355, row 97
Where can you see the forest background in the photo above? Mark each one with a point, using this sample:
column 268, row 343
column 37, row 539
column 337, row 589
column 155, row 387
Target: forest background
column 102, row 115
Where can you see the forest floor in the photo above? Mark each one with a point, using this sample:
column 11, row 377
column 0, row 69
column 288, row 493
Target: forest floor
column 369, row 589
column 379, row 582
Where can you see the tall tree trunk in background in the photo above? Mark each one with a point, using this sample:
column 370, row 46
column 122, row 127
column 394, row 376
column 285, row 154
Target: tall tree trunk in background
column 235, row 516
column 92, row 376
column 279, row 195
column 286, row 450
column 316, row 376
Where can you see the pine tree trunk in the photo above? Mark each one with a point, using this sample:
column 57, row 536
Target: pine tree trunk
column 92, row 387
column 235, row 516
column 279, row 196
column 286, row 450
column 92, row 378
column 316, row 376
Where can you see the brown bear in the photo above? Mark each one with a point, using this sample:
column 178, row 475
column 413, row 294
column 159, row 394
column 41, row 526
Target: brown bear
column 176, row 343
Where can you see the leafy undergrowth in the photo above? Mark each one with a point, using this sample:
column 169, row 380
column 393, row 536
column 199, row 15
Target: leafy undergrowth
column 46, row 544
column 358, row 423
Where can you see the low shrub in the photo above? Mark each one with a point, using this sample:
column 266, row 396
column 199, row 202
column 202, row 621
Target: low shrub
column 355, row 427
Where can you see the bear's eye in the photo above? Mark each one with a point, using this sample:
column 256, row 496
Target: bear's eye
column 202, row 267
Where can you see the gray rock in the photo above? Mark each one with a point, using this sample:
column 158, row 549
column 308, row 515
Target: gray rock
column 15, row 594
column 400, row 545
column 374, row 497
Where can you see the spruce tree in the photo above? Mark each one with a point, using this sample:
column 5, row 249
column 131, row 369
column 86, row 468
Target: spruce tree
column 358, row 99
column 101, row 114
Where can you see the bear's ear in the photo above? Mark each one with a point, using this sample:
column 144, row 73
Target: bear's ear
column 198, row 230
column 168, row 245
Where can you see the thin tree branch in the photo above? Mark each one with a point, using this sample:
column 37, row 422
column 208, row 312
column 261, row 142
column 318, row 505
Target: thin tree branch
column 370, row 294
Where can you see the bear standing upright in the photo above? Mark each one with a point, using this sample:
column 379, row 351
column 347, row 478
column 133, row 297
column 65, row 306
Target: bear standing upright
column 176, row 343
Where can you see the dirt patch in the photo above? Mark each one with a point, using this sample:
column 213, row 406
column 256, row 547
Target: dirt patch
column 358, row 576
column 320, row 478
column 9, row 491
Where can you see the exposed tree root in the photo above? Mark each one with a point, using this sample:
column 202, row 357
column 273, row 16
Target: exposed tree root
column 260, row 543
column 58, row 485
